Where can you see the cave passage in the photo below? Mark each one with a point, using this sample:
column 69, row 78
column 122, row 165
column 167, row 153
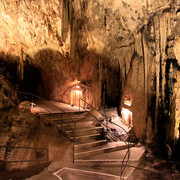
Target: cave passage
column 32, row 82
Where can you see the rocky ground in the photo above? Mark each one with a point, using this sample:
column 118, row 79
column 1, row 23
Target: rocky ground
column 158, row 165
column 19, row 127
column 158, row 170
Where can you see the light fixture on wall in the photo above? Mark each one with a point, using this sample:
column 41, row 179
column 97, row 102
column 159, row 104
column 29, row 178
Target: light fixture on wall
column 127, row 100
column 76, row 94
column 125, row 112
column 76, row 81
column 126, row 116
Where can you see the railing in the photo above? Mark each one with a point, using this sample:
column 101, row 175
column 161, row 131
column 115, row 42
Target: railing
column 33, row 95
column 105, row 125
column 108, row 130
column 127, row 155
column 61, row 121
column 34, row 148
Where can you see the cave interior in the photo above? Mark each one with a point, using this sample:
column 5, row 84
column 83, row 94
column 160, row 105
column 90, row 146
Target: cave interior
column 120, row 57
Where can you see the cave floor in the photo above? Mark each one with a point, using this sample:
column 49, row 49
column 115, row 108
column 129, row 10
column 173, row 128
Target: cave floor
column 149, row 170
column 154, row 169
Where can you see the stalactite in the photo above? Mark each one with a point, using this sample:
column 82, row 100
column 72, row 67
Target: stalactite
column 145, row 57
column 65, row 19
column 157, row 64
column 20, row 68
column 163, row 41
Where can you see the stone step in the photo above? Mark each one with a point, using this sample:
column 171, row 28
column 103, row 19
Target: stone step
column 135, row 154
column 85, row 146
column 79, row 125
column 66, row 115
column 110, row 165
column 65, row 118
column 63, row 114
column 87, row 138
column 85, row 131
column 114, row 160
column 103, row 149
column 71, row 127
column 92, row 162
column 58, row 121
column 134, row 161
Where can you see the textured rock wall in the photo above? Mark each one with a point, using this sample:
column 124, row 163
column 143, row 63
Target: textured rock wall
column 8, row 98
column 32, row 132
column 96, row 42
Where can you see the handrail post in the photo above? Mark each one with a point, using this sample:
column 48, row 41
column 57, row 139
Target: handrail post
column 25, row 147
column 47, row 157
column 106, row 125
column 79, row 104
column 61, row 121
column 73, row 147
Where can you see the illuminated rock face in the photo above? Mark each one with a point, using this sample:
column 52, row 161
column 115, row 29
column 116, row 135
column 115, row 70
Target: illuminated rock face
column 114, row 47
column 30, row 26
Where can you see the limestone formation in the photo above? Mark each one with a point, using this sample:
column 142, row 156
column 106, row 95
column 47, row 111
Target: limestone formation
column 113, row 47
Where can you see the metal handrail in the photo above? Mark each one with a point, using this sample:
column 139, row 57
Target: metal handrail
column 80, row 99
column 109, row 129
column 33, row 95
column 25, row 147
column 127, row 153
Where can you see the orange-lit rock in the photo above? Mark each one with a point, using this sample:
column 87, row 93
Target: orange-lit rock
column 111, row 46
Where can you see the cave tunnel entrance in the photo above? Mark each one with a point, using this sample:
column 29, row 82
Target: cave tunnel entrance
column 32, row 82
column 111, row 85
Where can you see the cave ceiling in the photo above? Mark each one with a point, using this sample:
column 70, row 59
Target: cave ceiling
column 31, row 26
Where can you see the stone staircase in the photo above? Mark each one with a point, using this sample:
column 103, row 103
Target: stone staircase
column 93, row 152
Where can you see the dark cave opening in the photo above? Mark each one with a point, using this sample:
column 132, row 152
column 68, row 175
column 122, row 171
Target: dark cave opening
column 9, row 70
column 32, row 82
column 111, row 86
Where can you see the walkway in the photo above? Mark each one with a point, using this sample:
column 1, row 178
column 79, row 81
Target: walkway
column 46, row 107
column 95, row 157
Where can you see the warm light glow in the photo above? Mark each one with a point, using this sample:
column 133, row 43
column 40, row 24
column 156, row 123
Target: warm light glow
column 32, row 105
column 76, row 94
column 178, row 132
column 76, row 81
column 126, row 116
column 128, row 103
column 127, row 100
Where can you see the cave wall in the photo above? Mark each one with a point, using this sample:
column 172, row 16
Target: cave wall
column 96, row 42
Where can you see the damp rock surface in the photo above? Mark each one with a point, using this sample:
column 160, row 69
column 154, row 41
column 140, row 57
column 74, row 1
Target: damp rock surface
column 114, row 47
column 21, row 128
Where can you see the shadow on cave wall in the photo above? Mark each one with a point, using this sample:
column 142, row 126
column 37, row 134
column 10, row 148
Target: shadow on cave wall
column 111, row 84
column 32, row 81
column 59, row 71
column 50, row 74
column 8, row 67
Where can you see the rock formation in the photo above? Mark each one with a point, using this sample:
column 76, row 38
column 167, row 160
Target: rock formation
column 114, row 47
